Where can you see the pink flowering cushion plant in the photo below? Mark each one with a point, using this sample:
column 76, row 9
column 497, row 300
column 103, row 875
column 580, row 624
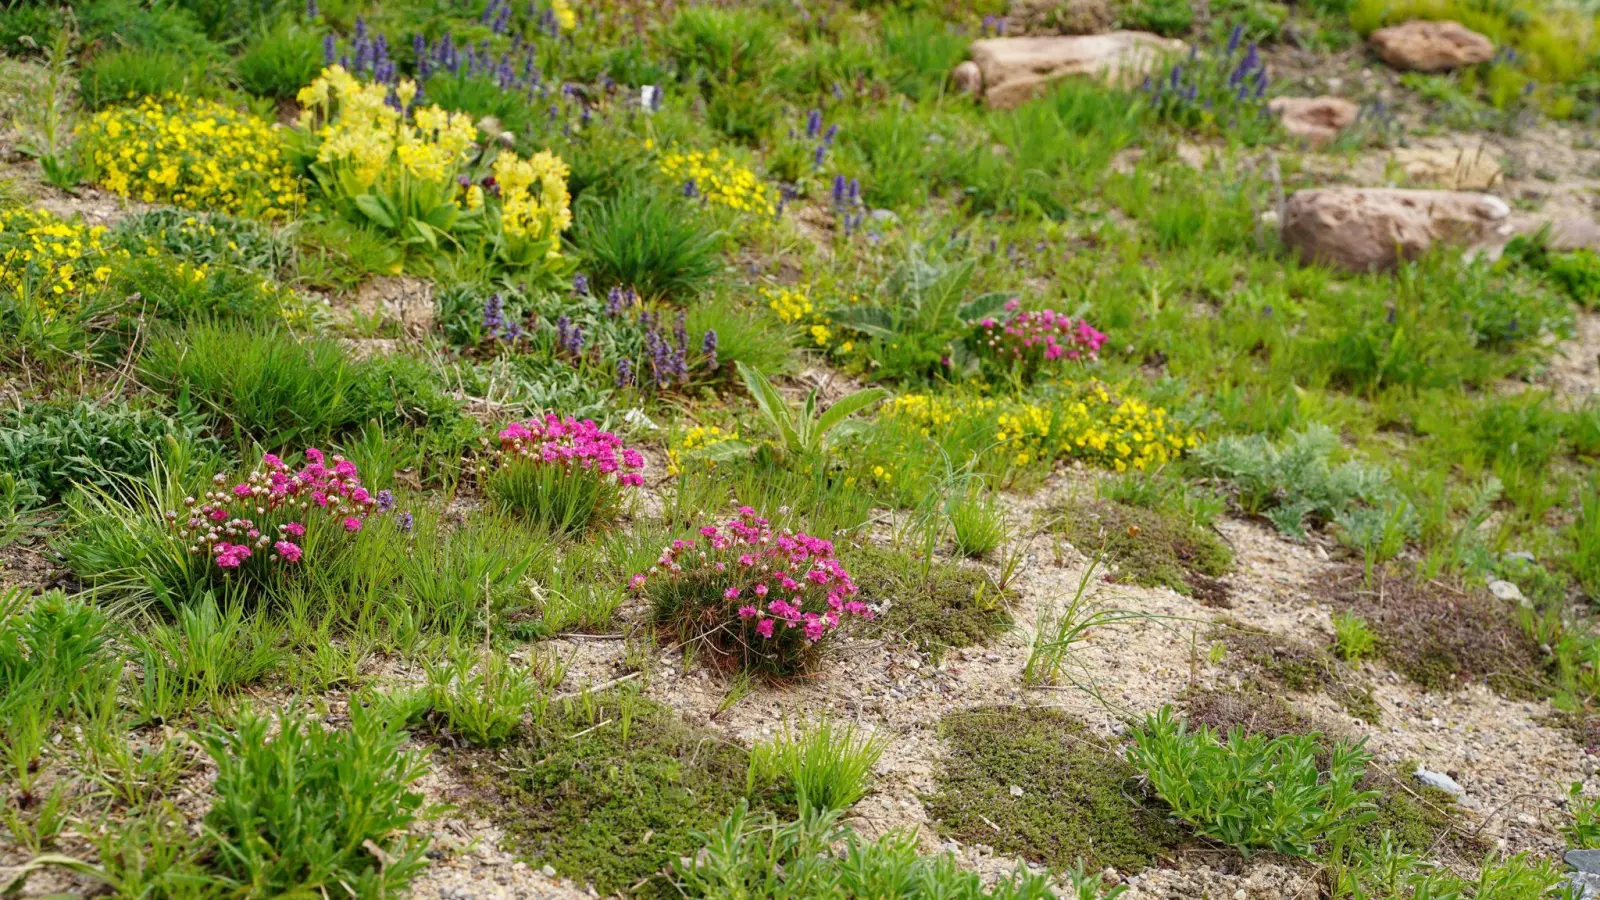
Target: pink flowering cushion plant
column 1037, row 339
column 759, row 599
column 560, row 472
column 259, row 525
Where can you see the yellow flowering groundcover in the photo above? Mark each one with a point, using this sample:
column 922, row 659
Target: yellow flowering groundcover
column 1090, row 421
column 721, row 180
column 52, row 263
column 693, row 449
column 193, row 153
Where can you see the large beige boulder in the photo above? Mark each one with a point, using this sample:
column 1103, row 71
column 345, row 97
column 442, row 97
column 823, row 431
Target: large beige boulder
column 1014, row 69
column 1454, row 168
column 1425, row 46
column 1369, row 229
column 1317, row 120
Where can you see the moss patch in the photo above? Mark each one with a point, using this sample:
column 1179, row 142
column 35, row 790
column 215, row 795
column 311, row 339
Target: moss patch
column 1150, row 548
column 1248, row 708
column 612, row 810
column 948, row 606
column 1273, row 662
column 1582, row 726
column 1441, row 637
column 1079, row 800
column 1420, row 819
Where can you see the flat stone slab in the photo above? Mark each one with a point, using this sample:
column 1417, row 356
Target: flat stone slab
column 1008, row 71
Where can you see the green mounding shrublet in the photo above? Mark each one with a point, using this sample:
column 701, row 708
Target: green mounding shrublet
column 933, row 605
column 1149, row 547
column 1080, row 801
column 611, row 790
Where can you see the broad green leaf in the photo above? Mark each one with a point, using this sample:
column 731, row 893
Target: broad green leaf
column 772, row 405
column 846, row 406
column 373, row 207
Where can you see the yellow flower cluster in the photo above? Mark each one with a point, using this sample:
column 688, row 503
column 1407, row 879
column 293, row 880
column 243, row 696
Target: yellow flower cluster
column 531, row 214
column 795, row 308
column 720, row 179
column 194, row 153
column 936, row 413
column 695, row 442
column 361, row 133
column 791, row 306
column 1094, row 425
column 566, row 18
column 52, row 262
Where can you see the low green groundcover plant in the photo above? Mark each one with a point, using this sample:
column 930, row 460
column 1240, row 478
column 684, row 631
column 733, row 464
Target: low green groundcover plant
column 1080, row 802
column 311, row 810
column 613, row 789
column 814, row 858
column 1254, row 792
column 54, row 446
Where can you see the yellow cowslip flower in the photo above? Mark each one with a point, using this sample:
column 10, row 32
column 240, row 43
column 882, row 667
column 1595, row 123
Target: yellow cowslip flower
column 1092, row 424
column 406, row 90
column 535, row 203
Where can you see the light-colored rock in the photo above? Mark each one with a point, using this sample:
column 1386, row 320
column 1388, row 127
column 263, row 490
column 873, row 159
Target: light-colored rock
column 1440, row 781
column 1425, row 46
column 1315, row 119
column 1585, row 885
column 1014, row 69
column 1507, row 592
column 968, row 78
column 1573, row 234
column 1455, row 169
column 1583, row 860
column 1368, row 229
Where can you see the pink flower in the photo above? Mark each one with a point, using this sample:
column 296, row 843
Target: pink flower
column 229, row 556
column 241, row 490
column 764, row 628
column 290, row 552
column 748, row 612
column 314, row 455
column 731, row 594
column 352, row 524
column 761, row 590
column 636, row 582
column 295, row 528
column 814, row 628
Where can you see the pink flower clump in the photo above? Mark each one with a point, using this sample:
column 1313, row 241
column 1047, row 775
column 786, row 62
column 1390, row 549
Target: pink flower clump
column 1039, row 336
column 262, row 517
column 761, row 596
column 573, row 444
